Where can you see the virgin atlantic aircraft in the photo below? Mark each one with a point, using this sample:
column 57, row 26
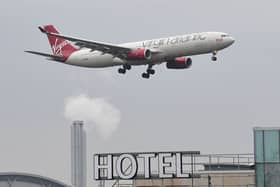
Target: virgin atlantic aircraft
column 174, row 51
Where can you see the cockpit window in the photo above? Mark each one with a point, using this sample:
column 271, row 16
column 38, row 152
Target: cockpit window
column 224, row 35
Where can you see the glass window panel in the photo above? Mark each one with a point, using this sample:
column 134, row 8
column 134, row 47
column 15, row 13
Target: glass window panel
column 259, row 146
column 260, row 175
column 271, row 146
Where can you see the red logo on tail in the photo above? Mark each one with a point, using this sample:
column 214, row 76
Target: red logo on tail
column 60, row 46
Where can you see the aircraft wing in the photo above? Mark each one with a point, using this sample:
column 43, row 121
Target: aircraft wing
column 93, row 45
column 50, row 57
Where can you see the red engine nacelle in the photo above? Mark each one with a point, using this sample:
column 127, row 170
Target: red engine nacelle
column 179, row 63
column 139, row 54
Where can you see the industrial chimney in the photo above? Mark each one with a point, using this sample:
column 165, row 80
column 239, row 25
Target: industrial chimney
column 78, row 154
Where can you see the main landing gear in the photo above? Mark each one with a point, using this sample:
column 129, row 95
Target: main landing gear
column 148, row 72
column 124, row 68
column 214, row 57
column 145, row 75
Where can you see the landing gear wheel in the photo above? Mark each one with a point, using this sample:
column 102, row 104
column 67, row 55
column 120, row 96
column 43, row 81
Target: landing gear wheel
column 127, row 66
column 214, row 58
column 151, row 71
column 121, row 70
column 145, row 75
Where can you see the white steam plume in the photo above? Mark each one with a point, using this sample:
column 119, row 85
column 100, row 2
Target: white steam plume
column 98, row 111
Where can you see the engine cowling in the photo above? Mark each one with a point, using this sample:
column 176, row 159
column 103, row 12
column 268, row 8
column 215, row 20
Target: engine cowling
column 140, row 54
column 179, row 63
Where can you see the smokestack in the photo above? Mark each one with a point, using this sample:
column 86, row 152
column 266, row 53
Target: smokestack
column 78, row 154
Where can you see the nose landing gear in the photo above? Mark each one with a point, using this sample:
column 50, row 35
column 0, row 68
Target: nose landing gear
column 214, row 57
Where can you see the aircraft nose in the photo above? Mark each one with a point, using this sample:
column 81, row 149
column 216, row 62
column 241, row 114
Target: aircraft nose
column 231, row 40
column 228, row 41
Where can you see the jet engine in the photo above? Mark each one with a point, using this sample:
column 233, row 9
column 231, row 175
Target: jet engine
column 139, row 54
column 179, row 63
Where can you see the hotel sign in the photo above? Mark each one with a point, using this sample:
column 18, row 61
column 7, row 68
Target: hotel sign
column 149, row 165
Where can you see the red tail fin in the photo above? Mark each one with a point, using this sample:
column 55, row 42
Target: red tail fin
column 60, row 46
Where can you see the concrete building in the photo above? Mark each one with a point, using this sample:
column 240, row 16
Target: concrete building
column 209, row 179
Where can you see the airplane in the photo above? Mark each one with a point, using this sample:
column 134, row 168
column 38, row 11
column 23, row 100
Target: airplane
column 175, row 51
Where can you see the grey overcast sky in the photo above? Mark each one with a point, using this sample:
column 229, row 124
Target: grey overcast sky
column 211, row 107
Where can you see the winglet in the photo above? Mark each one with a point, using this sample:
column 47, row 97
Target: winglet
column 42, row 29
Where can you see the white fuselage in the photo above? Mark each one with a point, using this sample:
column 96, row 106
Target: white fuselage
column 162, row 49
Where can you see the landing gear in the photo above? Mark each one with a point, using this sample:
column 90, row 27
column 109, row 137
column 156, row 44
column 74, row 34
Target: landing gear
column 148, row 72
column 127, row 66
column 146, row 75
column 151, row 71
column 121, row 71
column 124, row 68
column 214, row 58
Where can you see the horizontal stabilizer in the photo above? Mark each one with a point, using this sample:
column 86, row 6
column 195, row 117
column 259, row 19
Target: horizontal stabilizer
column 50, row 56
